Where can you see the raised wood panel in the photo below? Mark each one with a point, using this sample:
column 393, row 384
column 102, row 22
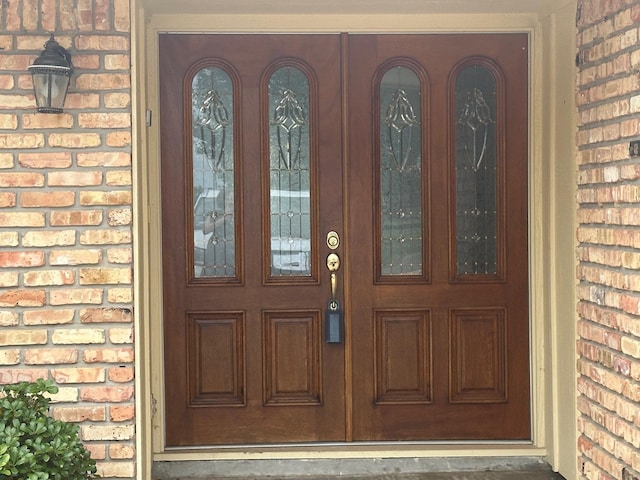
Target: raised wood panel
column 403, row 356
column 216, row 358
column 292, row 363
column 478, row 356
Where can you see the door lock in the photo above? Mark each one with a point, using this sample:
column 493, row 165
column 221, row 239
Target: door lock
column 333, row 262
column 333, row 240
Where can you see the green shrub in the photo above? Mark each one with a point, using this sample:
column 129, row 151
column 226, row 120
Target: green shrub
column 34, row 446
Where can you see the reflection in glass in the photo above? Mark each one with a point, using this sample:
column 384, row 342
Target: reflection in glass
column 213, row 173
column 476, row 217
column 400, row 173
column 290, row 204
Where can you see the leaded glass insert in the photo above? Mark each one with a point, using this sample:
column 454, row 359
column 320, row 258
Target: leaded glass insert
column 289, row 173
column 400, row 173
column 213, row 173
column 476, row 172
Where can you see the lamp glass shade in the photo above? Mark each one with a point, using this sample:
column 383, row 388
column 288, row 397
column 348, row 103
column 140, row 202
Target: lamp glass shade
column 50, row 87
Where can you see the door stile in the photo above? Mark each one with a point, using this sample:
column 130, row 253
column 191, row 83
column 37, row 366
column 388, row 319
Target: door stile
column 348, row 351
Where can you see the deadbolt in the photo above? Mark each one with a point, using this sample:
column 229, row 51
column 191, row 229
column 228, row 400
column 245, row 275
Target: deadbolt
column 333, row 240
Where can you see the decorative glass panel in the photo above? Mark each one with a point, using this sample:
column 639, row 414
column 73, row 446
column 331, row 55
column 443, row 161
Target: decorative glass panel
column 400, row 173
column 213, row 173
column 289, row 175
column 476, row 197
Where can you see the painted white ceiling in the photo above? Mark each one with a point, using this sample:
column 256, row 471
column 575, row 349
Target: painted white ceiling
column 348, row 6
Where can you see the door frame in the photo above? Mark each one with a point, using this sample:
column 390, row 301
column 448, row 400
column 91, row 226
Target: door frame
column 552, row 221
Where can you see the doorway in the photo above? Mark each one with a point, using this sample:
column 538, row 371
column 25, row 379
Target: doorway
column 412, row 150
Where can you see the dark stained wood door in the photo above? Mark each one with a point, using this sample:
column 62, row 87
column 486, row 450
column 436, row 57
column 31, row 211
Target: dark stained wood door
column 430, row 132
column 439, row 320
column 251, row 142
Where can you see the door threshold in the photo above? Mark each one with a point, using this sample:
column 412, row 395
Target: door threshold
column 336, row 450
column 340, row 466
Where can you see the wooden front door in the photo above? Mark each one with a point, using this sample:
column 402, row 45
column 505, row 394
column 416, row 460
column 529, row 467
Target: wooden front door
column 413, row 150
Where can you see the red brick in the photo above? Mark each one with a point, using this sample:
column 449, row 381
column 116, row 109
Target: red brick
column 98, row 451
column 104, row 120
column 49, row 277
column 8, row 279
column 50, row 238
column 48, row 317
column 104, row 159
column 22, row 298
column 75, row 257
column 23, row 337
column 47, row 199
column 7, row 199
column 16, row 141
column 121, row 413
column 76, row 296
column 121, row 374
column 90, row 198
column 78, row 336
column 102, row 81
column 108, row 355
column 116, row 469
column 50, row 356
column 118, row 139
column 119, row 451
column 13, row 259
column 108, row 43
column 78, row 375
column 105, row 237
column 119, row 217
column 106, row 315
column 75, row 179
column 75, row 217
column 45, row 160
column 42, row 121
column 106, row 394
column 22, row 219
column 23, row 179
column 82, row 101
column 105, row 276
column 73, row 140
column 15, row 375
column 8, row 319
column 120, row 255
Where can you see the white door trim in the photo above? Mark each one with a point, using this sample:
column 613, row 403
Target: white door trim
column 546, row 221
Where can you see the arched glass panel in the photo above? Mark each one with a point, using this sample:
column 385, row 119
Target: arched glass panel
column 289, row 173
column 213, row 173
column 400, row 208
column 476, row 172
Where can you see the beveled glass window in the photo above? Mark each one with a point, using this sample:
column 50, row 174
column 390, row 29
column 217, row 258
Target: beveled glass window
column 400, row 179
column 476, row 172
column 213, row 174
column 289, row 173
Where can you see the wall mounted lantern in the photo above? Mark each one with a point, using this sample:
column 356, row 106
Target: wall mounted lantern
column 51, row 73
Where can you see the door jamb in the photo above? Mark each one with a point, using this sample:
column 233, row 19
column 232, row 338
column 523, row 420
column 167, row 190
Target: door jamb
column 546, row 374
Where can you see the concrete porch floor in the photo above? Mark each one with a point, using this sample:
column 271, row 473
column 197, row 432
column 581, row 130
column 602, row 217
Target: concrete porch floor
column 467, row 468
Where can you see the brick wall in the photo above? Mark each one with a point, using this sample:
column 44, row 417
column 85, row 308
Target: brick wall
column 65, row 221
column 609, row 238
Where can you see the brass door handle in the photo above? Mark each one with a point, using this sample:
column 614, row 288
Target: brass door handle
column 333, row 264
column 334, row 323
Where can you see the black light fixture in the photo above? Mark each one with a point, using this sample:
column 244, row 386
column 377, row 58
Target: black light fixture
column 51, row 73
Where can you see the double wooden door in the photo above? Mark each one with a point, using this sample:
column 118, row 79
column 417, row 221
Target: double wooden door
column 344, row 238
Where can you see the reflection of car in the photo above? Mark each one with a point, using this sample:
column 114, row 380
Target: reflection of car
column 290, row 232
column 290, row 256
column 206, row 202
